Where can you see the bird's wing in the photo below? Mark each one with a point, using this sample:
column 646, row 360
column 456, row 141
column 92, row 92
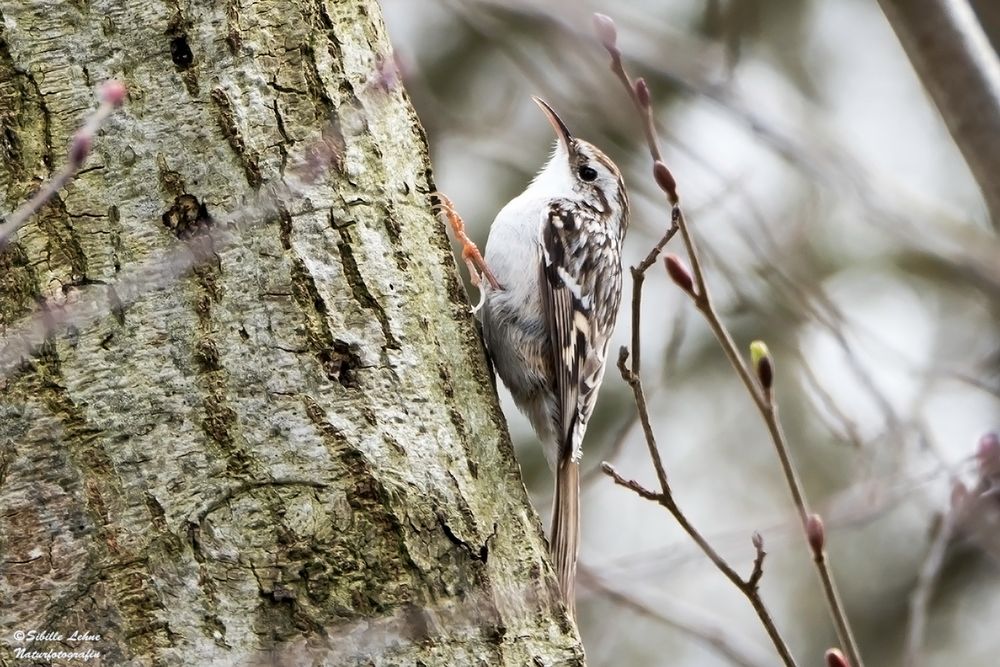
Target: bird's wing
column 569, row 269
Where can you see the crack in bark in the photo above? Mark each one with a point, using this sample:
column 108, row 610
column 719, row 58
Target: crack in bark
column 337, row 358
column 481, row 554
column 360, row 290
column 284, row 136
column 456, row 418
column 132, row 590
column 226, row 117
column 180, row 51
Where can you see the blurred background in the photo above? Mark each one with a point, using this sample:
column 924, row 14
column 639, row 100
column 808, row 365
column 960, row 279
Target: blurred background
column 838, row 223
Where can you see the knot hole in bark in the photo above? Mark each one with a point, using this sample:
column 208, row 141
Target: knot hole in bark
column 187, row 217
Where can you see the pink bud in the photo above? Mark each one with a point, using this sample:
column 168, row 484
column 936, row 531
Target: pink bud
column 606, row 31
column 758, row 540
column 665, row 180
column 80, row 148
column 642, row 92
column 834, row 658
column 679, row 273
column 112, row 92
column 387, row 73
column 816, row 533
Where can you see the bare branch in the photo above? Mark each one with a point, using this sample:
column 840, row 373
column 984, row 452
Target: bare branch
column 746, row 586
column 921, row 595
column 768, row 408
column 968, row 508
column 758, row 562
column 762, row 396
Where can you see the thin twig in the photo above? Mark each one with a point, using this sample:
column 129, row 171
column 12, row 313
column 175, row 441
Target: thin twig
column 112, row 96
column 700, row 294
column 920, row 598
column 758, row 562
column 748, row 586
column 768, row 408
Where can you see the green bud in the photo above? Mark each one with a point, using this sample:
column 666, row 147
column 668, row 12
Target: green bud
column 760, row 356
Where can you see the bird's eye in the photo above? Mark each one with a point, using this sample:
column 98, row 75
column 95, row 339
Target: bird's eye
column 587, row 173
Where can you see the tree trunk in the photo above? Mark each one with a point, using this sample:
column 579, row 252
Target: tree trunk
column 292, row 453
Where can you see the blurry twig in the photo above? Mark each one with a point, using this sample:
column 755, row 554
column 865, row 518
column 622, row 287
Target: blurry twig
column 760, row 391
column 926, row 578
column 671, row 356
column 748, row 586
column 851, row 432
column 378, row 636
column 914, row 218
column 714, row 635
column 594, row 474
column 856, row 506
column 969, row 508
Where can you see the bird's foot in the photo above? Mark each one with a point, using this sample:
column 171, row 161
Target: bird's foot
column 470, row 253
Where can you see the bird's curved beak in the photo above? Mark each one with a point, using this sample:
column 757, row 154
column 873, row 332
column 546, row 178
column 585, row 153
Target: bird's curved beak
column 557, row 124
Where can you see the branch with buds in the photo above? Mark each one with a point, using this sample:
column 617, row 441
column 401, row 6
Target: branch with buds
column 112, row 96
column 757, row 377
column 641, row 100
column 973, row 510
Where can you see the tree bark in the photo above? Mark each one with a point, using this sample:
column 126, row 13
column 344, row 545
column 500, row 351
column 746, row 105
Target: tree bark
column 292, row 453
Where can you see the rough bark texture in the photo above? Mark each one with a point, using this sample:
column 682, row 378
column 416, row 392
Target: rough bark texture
column 293, row 454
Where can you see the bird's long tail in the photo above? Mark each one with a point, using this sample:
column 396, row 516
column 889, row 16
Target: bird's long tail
column 565, row 538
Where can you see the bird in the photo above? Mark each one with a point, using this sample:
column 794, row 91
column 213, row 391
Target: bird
column 553, row 259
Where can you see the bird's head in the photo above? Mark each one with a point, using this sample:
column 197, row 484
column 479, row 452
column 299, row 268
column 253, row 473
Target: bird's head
column 578, row 169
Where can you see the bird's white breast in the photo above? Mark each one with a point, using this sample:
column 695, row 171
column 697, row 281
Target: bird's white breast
column 515, row 231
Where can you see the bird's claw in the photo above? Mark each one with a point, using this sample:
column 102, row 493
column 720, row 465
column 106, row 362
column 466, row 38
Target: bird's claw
column 470, row 252
column 482, row 301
